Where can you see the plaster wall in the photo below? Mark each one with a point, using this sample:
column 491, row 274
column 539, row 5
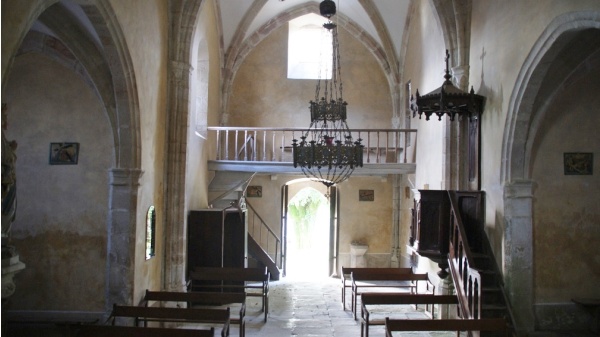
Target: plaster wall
column 262, row 95
column 60, row 229
column 204, row 110
column 502, row 36
column 366, row 221
column 424, row 68
column 145, row 27
column 566, row 209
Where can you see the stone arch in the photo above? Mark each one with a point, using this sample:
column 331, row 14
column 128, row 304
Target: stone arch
column 519, row 134
column 111, row 74
column 236, row 57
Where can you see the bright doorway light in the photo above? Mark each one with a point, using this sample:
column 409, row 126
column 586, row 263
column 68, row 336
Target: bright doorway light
column 308, row 236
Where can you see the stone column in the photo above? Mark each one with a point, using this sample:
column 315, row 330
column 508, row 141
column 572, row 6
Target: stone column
column 120, row 274
column 518, row 251
column 174, row 220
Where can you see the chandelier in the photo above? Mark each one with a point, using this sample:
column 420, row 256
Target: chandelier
column 326, row 152
column 447, row 100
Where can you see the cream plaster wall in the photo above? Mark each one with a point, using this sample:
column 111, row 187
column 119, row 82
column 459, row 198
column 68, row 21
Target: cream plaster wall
column 370, row 222
column 424, row 68
column 205, row 103
column 263, row 96
column 60, row 229
column 145, row 27
column 566, row 208
column 502, row 36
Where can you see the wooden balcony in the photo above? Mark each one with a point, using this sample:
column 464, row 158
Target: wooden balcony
column 269, row 150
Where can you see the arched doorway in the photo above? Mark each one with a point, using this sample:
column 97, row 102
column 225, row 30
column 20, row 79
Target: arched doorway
column 308, row 235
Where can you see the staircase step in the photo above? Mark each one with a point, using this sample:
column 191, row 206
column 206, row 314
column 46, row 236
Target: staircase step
column 491, row 295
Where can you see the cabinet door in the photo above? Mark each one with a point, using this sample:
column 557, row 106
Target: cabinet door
column 433, row 222
column 236, row 240
column 205, row 239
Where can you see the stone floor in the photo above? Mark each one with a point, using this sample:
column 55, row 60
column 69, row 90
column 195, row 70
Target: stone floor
column 310, row 308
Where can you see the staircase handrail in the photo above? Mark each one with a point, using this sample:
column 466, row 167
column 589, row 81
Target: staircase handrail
column 277, row 257
column 461, row 262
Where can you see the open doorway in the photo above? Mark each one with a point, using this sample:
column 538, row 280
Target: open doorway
column 308, row 235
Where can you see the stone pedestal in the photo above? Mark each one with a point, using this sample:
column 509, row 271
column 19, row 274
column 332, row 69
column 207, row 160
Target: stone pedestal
column 357, row 255
column 11, row 265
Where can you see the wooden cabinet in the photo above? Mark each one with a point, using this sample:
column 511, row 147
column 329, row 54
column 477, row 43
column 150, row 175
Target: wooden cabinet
column 217, row 238
column 430, row 228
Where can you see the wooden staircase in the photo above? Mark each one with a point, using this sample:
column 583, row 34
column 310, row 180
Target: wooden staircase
column 448, row 228
column 467, row 212
column 228, row 188
column 262, row 258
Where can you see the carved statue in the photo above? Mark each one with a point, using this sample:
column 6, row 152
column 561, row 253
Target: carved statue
column 10, row 259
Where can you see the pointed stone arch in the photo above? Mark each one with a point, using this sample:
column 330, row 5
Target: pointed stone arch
column 236, row 56
column 519, row 132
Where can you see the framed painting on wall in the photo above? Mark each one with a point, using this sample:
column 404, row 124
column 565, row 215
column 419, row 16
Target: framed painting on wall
column 64, row 153
column 579, row 163
column 254, row 192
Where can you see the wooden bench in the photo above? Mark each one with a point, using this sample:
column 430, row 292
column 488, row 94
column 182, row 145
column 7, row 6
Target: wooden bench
column 172, row 315
column 230, row 279
column 202, row 299
column 482, row 324
column 346, row 280
column 386, row 279
column 134, row 331
column 396, row 299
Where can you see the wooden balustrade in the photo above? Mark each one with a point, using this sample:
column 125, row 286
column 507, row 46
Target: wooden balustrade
column 264, row 235
column 275, row 144
column 468, row 280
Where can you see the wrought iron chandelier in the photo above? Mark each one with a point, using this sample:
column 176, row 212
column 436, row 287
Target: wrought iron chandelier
column 326, row 151
column 447, row 100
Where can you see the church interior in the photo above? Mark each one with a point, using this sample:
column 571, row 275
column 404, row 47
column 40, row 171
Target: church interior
column 143, row 139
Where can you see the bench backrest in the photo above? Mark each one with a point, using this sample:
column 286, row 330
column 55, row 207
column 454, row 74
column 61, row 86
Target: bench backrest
column 195, row 297
column 172, row 314
column 229, row 274
column 132, row 331
column 362, row 275
column 483, row 324
column 349, row 270
column 400, row 298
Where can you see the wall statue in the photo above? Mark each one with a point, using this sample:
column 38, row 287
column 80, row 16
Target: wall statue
column 10, row 259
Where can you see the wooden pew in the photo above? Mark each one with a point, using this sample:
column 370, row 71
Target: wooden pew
column 172, row 315
column 202, row 299
column 482, row 324
column 368, row 299
column 386, row 279
column 134, row 331
column 347, row 271
column 230, row 279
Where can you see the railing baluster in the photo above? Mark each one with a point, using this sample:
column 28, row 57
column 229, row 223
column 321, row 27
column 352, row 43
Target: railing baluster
column 227, row 145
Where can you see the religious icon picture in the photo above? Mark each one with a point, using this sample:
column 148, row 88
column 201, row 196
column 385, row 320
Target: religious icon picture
column 64, row 153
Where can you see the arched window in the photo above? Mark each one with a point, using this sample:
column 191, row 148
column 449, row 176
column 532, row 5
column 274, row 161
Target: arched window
column 309, row 48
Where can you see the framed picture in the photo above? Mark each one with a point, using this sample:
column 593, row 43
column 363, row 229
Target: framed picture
column 579, row 163
column 254, row 192
column 366, row 195
column 64, row 153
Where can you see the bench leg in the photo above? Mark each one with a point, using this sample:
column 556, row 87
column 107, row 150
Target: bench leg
column 266, row 306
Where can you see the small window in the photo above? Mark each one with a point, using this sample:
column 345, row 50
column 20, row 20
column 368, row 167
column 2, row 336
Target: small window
column 150, row 233
column 309, row 48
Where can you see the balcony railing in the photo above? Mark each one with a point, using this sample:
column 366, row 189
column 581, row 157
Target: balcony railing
column 381, row 146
